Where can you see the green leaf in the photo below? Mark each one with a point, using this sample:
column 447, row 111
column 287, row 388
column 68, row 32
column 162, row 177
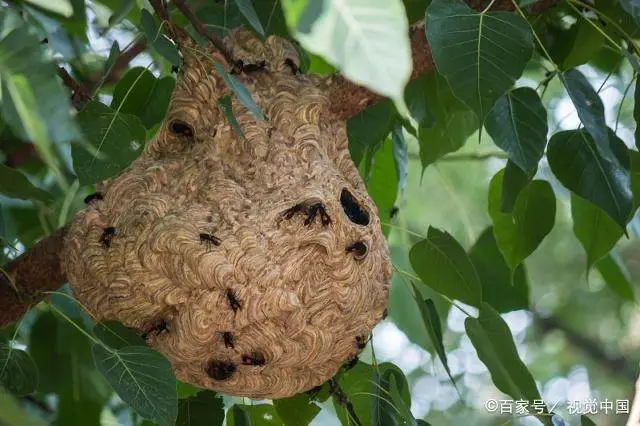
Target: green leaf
column 204, row 409
column 358, row 385
column 227, row 110
column 18, row 371
column 588, row 105
column 36, row 105
column 519, row 232
column 143, row 378
column 155, row 38
column 140, row 93
column 431, row 322
column 119, row 139
column 66, row 367
column 391, row 404
column 597, row 232
column 14, row 184
column 253, row 415
column 480, row 54
column 591, row 169
column 517, row 123
column 241, row 92
column 513, row 181
column 581, row 44
column 494, row 344
column 60, row 7
column 636, row 114
column 121, row 12
column 448, row 122
column 249, row 12
column 367, row 130
column 503, row 290
column 366, row 40
column 634, row 175
column 442, row 264
column 116, row 336
column 297, row 410
column 382, row 183
column 616, row 276
column 584, row 420
column 185, row 390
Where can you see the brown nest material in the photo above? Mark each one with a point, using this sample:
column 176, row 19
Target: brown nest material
column 256, row 266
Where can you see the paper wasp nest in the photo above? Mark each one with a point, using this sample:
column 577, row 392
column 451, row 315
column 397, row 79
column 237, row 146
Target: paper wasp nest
column 256, row 266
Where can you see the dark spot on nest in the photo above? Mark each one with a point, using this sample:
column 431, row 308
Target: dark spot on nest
column 158, row 328
column 227, row 338
column 255, row 358
column 234, row 303
column 107, row 235
column 181, row 128
column 220, row 370
column 239, row 66
column 292, row 65
column 361, row 342
column 95, row 196
column 352, row 209
column 358, row 249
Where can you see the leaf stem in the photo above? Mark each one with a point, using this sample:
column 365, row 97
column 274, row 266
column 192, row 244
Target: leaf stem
column 593, row 24
column 535, row 35
column 80, row 329
column 609, row 21
column 624, row 95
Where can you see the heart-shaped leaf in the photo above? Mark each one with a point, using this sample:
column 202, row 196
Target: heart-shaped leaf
column 517, row 123
column 597, row 232
column 18, row 371
column 591, row 169
column 442, row 264
column 514, row 180
column 481, row 54
column 519, row 232
column 143, row 378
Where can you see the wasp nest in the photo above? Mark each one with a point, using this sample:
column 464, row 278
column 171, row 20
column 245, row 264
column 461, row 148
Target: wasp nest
column 255, row 263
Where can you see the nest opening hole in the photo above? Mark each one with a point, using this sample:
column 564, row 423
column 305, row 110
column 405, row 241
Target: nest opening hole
column 352, row 209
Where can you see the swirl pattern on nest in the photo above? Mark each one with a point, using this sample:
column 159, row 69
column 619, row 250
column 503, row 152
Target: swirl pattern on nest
column 236, row 257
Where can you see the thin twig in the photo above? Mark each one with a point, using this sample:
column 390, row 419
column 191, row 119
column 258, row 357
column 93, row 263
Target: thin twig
column 79, row 95
column 214, row 39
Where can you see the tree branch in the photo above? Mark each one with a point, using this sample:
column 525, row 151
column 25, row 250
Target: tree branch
column 348, row 99
column 24, row 281
column 79, row 95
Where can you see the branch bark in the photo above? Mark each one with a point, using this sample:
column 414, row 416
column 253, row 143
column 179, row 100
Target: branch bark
column 24, row 281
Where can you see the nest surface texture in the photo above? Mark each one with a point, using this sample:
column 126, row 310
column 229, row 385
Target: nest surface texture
column 256, row 265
